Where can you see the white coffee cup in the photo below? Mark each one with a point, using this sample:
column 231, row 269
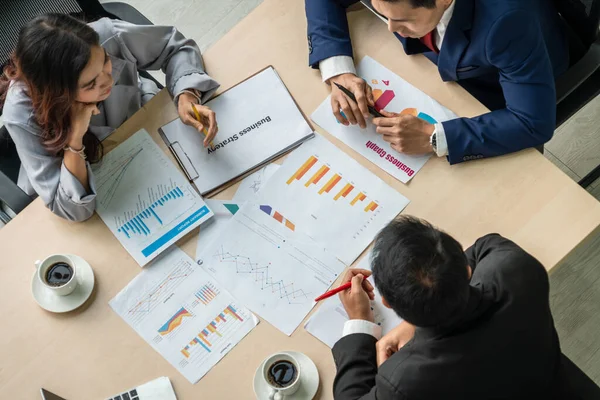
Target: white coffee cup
column 44, row 265
column 280, row 393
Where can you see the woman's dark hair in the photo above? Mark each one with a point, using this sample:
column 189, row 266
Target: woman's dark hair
column 421, row 272
column 52, row 51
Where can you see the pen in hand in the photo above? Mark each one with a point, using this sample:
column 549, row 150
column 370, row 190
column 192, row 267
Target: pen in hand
column 348, row 93
column 199, row 119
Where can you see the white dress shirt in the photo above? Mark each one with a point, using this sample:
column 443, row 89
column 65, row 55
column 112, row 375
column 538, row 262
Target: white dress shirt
column 337, row 65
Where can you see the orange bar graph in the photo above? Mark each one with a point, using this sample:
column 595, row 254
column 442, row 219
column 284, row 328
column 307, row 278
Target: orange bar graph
column 344, row 192
column 318, row 175
column 303, row 169
column 204, row 340
column 330, row 184
column 290, row 226
column 372, row 206
column 185, row 353
column 359, row 197
column 278, row 217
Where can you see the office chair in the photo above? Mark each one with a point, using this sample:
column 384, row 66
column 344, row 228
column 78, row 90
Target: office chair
column 581, row 83
column 14, row 14
column 576, row 382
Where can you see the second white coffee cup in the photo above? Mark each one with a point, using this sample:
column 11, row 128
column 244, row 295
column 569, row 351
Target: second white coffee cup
column 276, row 391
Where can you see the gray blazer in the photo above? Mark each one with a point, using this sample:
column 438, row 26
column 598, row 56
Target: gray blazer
column 131, row 48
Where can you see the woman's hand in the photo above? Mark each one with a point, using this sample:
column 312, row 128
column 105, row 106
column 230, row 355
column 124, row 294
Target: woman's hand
column 207, row 125
column 81, row 113
column 394, row 341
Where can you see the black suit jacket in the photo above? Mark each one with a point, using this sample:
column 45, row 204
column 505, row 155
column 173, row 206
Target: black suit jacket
column 505, row 346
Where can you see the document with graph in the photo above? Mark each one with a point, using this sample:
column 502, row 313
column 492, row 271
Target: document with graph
column 183, row 314
column 327, row 323
column 332, row 198
column 258, row 121
column 392, row 94
column 144, row 200
column 270, row 266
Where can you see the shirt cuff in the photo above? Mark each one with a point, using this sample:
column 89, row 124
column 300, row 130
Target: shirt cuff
column 362, row 326
column 206, row 85
column 441, row 143
column 336, row 65
column 73, row 189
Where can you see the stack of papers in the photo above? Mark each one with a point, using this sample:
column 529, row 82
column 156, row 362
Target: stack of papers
column 258, row 121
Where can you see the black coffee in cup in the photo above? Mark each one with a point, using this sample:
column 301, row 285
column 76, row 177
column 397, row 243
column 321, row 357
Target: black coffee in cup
column 59, row 274
column 282, row 373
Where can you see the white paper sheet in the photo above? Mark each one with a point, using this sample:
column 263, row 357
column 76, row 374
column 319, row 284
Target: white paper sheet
column 224, row 211
column 327, row 323
column 258, row 120
column 271, row 268
column 396, row 95
column 183, row 314
column 251, row 185
column 144, row 200
column 332, row 198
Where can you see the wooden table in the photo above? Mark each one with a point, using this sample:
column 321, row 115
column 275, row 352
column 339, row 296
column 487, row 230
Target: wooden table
column 91, row 353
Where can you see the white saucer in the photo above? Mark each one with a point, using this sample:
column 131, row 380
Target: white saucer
column 310, row 379
column 60, row 304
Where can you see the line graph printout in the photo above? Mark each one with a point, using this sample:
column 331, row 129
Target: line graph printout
column 327, row 323
column 393, row 94
column 277, row 272
column 183, row 314
column 332, row 198
column 144, row 200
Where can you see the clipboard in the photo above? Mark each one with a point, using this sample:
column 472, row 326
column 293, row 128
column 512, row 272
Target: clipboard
column 190, row 168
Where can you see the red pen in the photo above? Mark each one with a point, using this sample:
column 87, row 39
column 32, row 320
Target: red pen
column 330, row 293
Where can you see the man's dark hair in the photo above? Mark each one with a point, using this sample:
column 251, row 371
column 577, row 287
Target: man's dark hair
column 421, row 272
column 416, row 3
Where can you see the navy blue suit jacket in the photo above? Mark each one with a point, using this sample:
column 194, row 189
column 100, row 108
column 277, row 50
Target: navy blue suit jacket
column 506, row 53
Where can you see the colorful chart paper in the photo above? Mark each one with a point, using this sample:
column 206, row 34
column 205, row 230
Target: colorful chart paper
column 393, row 94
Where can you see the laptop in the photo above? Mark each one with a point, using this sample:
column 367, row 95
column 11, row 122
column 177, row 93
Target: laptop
column 158, row 389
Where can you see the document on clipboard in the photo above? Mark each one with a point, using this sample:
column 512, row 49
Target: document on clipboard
column 258, row 121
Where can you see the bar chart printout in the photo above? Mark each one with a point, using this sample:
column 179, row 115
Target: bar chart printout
column 183, row 313
column 144, row 200
column 332, row 198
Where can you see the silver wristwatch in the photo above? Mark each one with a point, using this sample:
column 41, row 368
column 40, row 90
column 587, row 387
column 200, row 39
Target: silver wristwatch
column 433, row 140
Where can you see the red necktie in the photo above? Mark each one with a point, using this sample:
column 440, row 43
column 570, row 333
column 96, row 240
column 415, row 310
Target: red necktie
column 429, row 41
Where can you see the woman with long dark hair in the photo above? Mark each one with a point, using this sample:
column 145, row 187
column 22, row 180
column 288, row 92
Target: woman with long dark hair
column 68, row 85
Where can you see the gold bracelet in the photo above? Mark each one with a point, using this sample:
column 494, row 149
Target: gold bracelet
column 80, row 152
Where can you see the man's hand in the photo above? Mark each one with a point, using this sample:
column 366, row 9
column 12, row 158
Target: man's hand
column 356, row 112
column 406, row 133
column 394, row 341
column 207, row 121
column 357, row 299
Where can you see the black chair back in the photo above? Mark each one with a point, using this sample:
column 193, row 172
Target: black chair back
column 582, row 16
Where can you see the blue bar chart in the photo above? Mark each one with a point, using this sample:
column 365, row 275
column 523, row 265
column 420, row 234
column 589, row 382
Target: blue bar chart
column 145, row 201
column 136, row 225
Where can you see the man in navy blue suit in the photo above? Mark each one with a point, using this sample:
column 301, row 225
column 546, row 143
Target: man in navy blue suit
column 506, row 53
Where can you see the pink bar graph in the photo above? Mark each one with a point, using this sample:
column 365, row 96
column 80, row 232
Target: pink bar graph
column 384, row 99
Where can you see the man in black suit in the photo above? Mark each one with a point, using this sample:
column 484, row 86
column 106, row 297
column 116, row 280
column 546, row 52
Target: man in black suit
column 477, row 324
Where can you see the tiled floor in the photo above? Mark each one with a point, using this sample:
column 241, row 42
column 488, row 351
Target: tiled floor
column 575, row 148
